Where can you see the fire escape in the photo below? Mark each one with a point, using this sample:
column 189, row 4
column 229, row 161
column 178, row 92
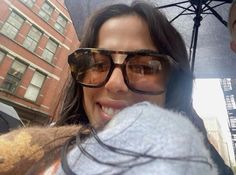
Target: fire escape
column 229, row 88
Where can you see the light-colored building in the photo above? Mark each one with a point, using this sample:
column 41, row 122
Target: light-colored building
column 208, row 100
column 215, row 136
column 36, row 37
column 229, row 89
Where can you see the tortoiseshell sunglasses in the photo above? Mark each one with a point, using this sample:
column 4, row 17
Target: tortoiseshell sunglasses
column 144, row 71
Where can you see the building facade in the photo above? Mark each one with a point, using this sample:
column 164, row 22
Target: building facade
column 229, row 89
column 214, row 133
column 36, row 37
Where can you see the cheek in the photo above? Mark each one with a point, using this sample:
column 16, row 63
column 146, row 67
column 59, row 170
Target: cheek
column 90, row 96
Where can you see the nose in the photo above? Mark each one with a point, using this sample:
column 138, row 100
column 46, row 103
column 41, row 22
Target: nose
column 116, row 83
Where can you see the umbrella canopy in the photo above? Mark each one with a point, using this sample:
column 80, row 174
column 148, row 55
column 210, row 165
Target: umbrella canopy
column 213, row 57
column 9, row 118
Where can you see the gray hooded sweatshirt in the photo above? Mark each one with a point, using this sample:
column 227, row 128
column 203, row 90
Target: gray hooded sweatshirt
column 151, row 140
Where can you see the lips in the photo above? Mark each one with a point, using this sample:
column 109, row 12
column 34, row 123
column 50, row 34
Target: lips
column 110, row 111
column 110, row 108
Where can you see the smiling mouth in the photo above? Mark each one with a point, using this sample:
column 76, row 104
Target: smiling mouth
column 110, row 111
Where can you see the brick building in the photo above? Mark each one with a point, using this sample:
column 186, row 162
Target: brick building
column 35, row 38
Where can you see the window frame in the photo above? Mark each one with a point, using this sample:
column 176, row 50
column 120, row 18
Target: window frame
column 28, row 3
column 57, row 23
column 32, row 39
column 11, row 27
column 10, row 77
column 43, row 12
column 34, row 86
column 47, row 51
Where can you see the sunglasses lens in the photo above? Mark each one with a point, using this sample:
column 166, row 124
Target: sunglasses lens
column 146, row 73
column 92, row 68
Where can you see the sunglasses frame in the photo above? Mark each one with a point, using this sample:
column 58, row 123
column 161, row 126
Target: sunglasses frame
column 166, row 59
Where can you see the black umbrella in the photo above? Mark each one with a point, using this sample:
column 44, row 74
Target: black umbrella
column 198, row 8
column 208, row 43
column 9, row 118
column 203, row 24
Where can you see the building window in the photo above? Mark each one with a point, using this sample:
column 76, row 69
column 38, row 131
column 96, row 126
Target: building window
column 33, row 89
column 32, row 39
column 234, row 137
column 50, row 50
column 233, row 124
column 12, row 25
column 29, row 3
column 2, row 55
column 46, row 11
column 14, row 76
column 60, row 24
column 226, row 83
column 230, row 102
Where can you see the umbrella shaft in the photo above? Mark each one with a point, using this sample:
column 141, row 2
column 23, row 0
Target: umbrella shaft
column 197, row 22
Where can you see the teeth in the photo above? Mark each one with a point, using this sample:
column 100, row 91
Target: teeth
column 110, row 111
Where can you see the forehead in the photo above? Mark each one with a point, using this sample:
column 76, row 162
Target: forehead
column 128, row 32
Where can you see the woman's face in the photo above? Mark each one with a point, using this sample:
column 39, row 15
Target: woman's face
column 125, row 33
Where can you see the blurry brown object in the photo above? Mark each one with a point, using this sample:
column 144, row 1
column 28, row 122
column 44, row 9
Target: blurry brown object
column 23, row 148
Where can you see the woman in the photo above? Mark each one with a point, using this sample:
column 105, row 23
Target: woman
column 129, row 54
column 117, row 32
column 155, row 35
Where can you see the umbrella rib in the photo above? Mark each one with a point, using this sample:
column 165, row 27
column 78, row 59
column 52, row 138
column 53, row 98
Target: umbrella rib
column 216, row 14
column 171, row 5
column 203, row 9
column 217, row 5
column 182, row 13
column 188, row 14
column 188, row 8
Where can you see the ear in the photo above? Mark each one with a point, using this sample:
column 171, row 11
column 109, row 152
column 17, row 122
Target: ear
column 233, row 46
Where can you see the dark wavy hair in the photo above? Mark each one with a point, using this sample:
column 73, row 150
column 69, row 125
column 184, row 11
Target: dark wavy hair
column 123, row 166
column 168, row 41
